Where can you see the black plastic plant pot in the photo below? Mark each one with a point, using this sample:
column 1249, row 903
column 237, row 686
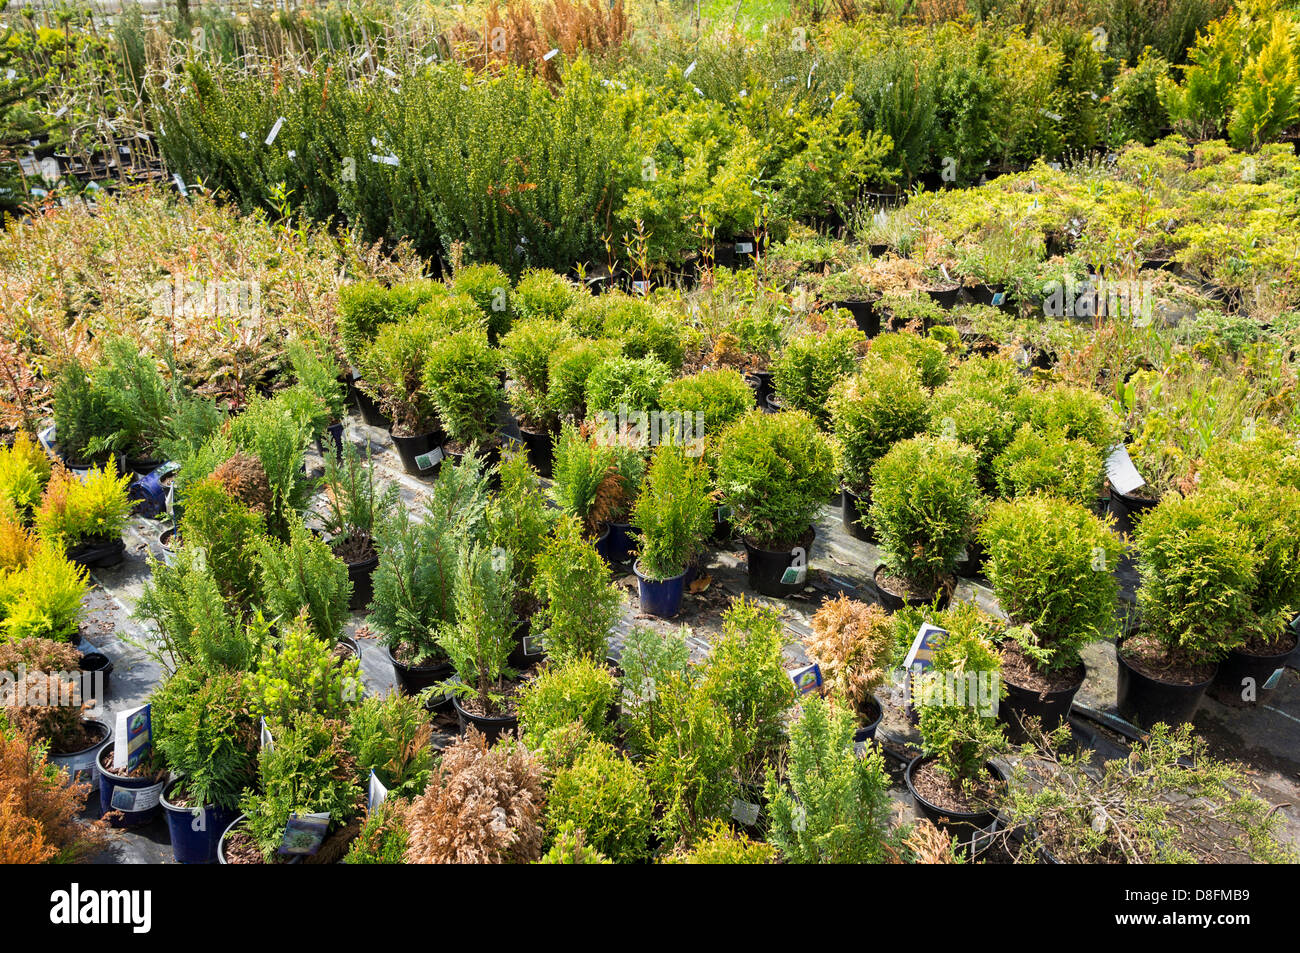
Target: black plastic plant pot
column 944, row 297
column 195, row 834
column 351, row 645
column 361, row 575
column 541, row 453
column 992, row 296
column 1245, row 680
column 962, row 826
column 490, row 727
column 1051, row 708
column 1128, row 510
column 96, row 668
column 724, row 253
column 370, row 411
column 422, row 454
column 973, row 563
column 414, row 679
column 895, row 603
column 660, row 597
column 854, row 517
column 129, row 802
column 778, row 572
column 1144, row 701
column 81, row 765
column 864, row 314
column 761, row 383
column 774, row 404
column 870, row 715
column 723, row 531
column 334, row 439
column 878, row 251
column 98, row 553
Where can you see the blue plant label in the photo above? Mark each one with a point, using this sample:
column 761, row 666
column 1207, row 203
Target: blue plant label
column 427, row 461
column 133, row 738
column 998, row 298
column 807, row 679
column 378, row 792
column 921, row 655
column 303, row 834
column 1274, row 678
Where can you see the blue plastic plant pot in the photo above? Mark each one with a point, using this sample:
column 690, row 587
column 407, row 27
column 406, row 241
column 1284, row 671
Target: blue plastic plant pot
column 619, row 546
column 660, row 597
column 150, row 493
column 195, row 834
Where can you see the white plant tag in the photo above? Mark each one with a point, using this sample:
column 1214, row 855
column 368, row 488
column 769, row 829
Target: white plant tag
column 427, row 461
column 275, row 131
column 745, row 812
column 1123, row 475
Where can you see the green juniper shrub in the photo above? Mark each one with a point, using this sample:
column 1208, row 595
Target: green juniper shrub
column 721, row 396
column 926, row 354
column 579, row 690
column 775, row 471
column 570, row 847
column 526, row 355
column 745, row 678
column 811, row 364
column 579, row 605
column 976, row 406
column 308, row 770
column 204, row 731
column 304, row 575
column 872, row 410
column 489, row 287
column 541, row 293
column 720, row 844
column 604, row 795
column 317, row 373
column 580, row 474
column 300, row 673
column 383, row 837
column 227, row 532
column 832, row 806
column 1051, row 565
column 461, row 377
column 649, row 658
column 390, row 736
column 1034, row 462
column 195, row 623
column 570, row 368
column 673, row 512
column 83, row 413
column 481, row 639
column 1075, row 412
column 269, row 430
column 925, row 502
column 75, row 511
column 626, row 385
column 519, row 522
column 958, row 719
column 392, row 371
column 415, row 581
column 1198, row 568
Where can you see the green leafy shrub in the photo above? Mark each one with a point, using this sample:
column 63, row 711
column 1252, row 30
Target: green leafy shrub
column 43, row 599
column 227, row 533
column 926, row 354
column 489, row 287
column 832, row 806
column 461, row 379
column 518, row 519
column 721, row 396
column 1034, row 462
column 811, row 365
column 722, row 845
column 304, row 575
column 356, row 501
column 674, row 513
column 390, row 735
column 924, row 504
column 392, row 367
column 1077, row 413
column 1050, row 563
column 579, row 690
column 604, row 795
column 775, row 471
column 526, row 354
column 302, row 674
column 317, row 373
column 872, row 410
column 271, row 431
column 203, row 730
column 580, row 474
column 570, row 847
column 74, row 511
column 579, row 603
column 626, row 385
column 365, row 306
column 541, row 293
column 976, row 406
column 483, row 636
column 383, row 838
column 570, row 367
column 24, row 471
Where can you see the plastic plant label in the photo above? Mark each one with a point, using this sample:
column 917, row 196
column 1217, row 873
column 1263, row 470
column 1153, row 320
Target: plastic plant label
column 136, row 799
column 807, row 679
column 385, row 160
column 427, row 461
column 533, row 645
column 690, row 69
column 550, row 55
column 275, row 131
column 745, row 812
column 921, row 655
column 998, row 298
column 1274, row 679
column 378, row 792
column 133, row 738
column 796, row 574
column 266, row 740
column 1123, row 475
column 744, row 248
column 180, row 184
column 303, row 834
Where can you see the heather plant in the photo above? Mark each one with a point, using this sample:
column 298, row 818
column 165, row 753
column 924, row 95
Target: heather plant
column 604, row 795
column 673, row 512
column 308, row 770
column 1050, row 563
column 204, row 731
column 579, row 603
column 390, row 735
column 924, row 504
column 580, row 690
column 775, row 471
column 482, row 805
column 301, row 674
column 832, row 806
column 303, row 576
